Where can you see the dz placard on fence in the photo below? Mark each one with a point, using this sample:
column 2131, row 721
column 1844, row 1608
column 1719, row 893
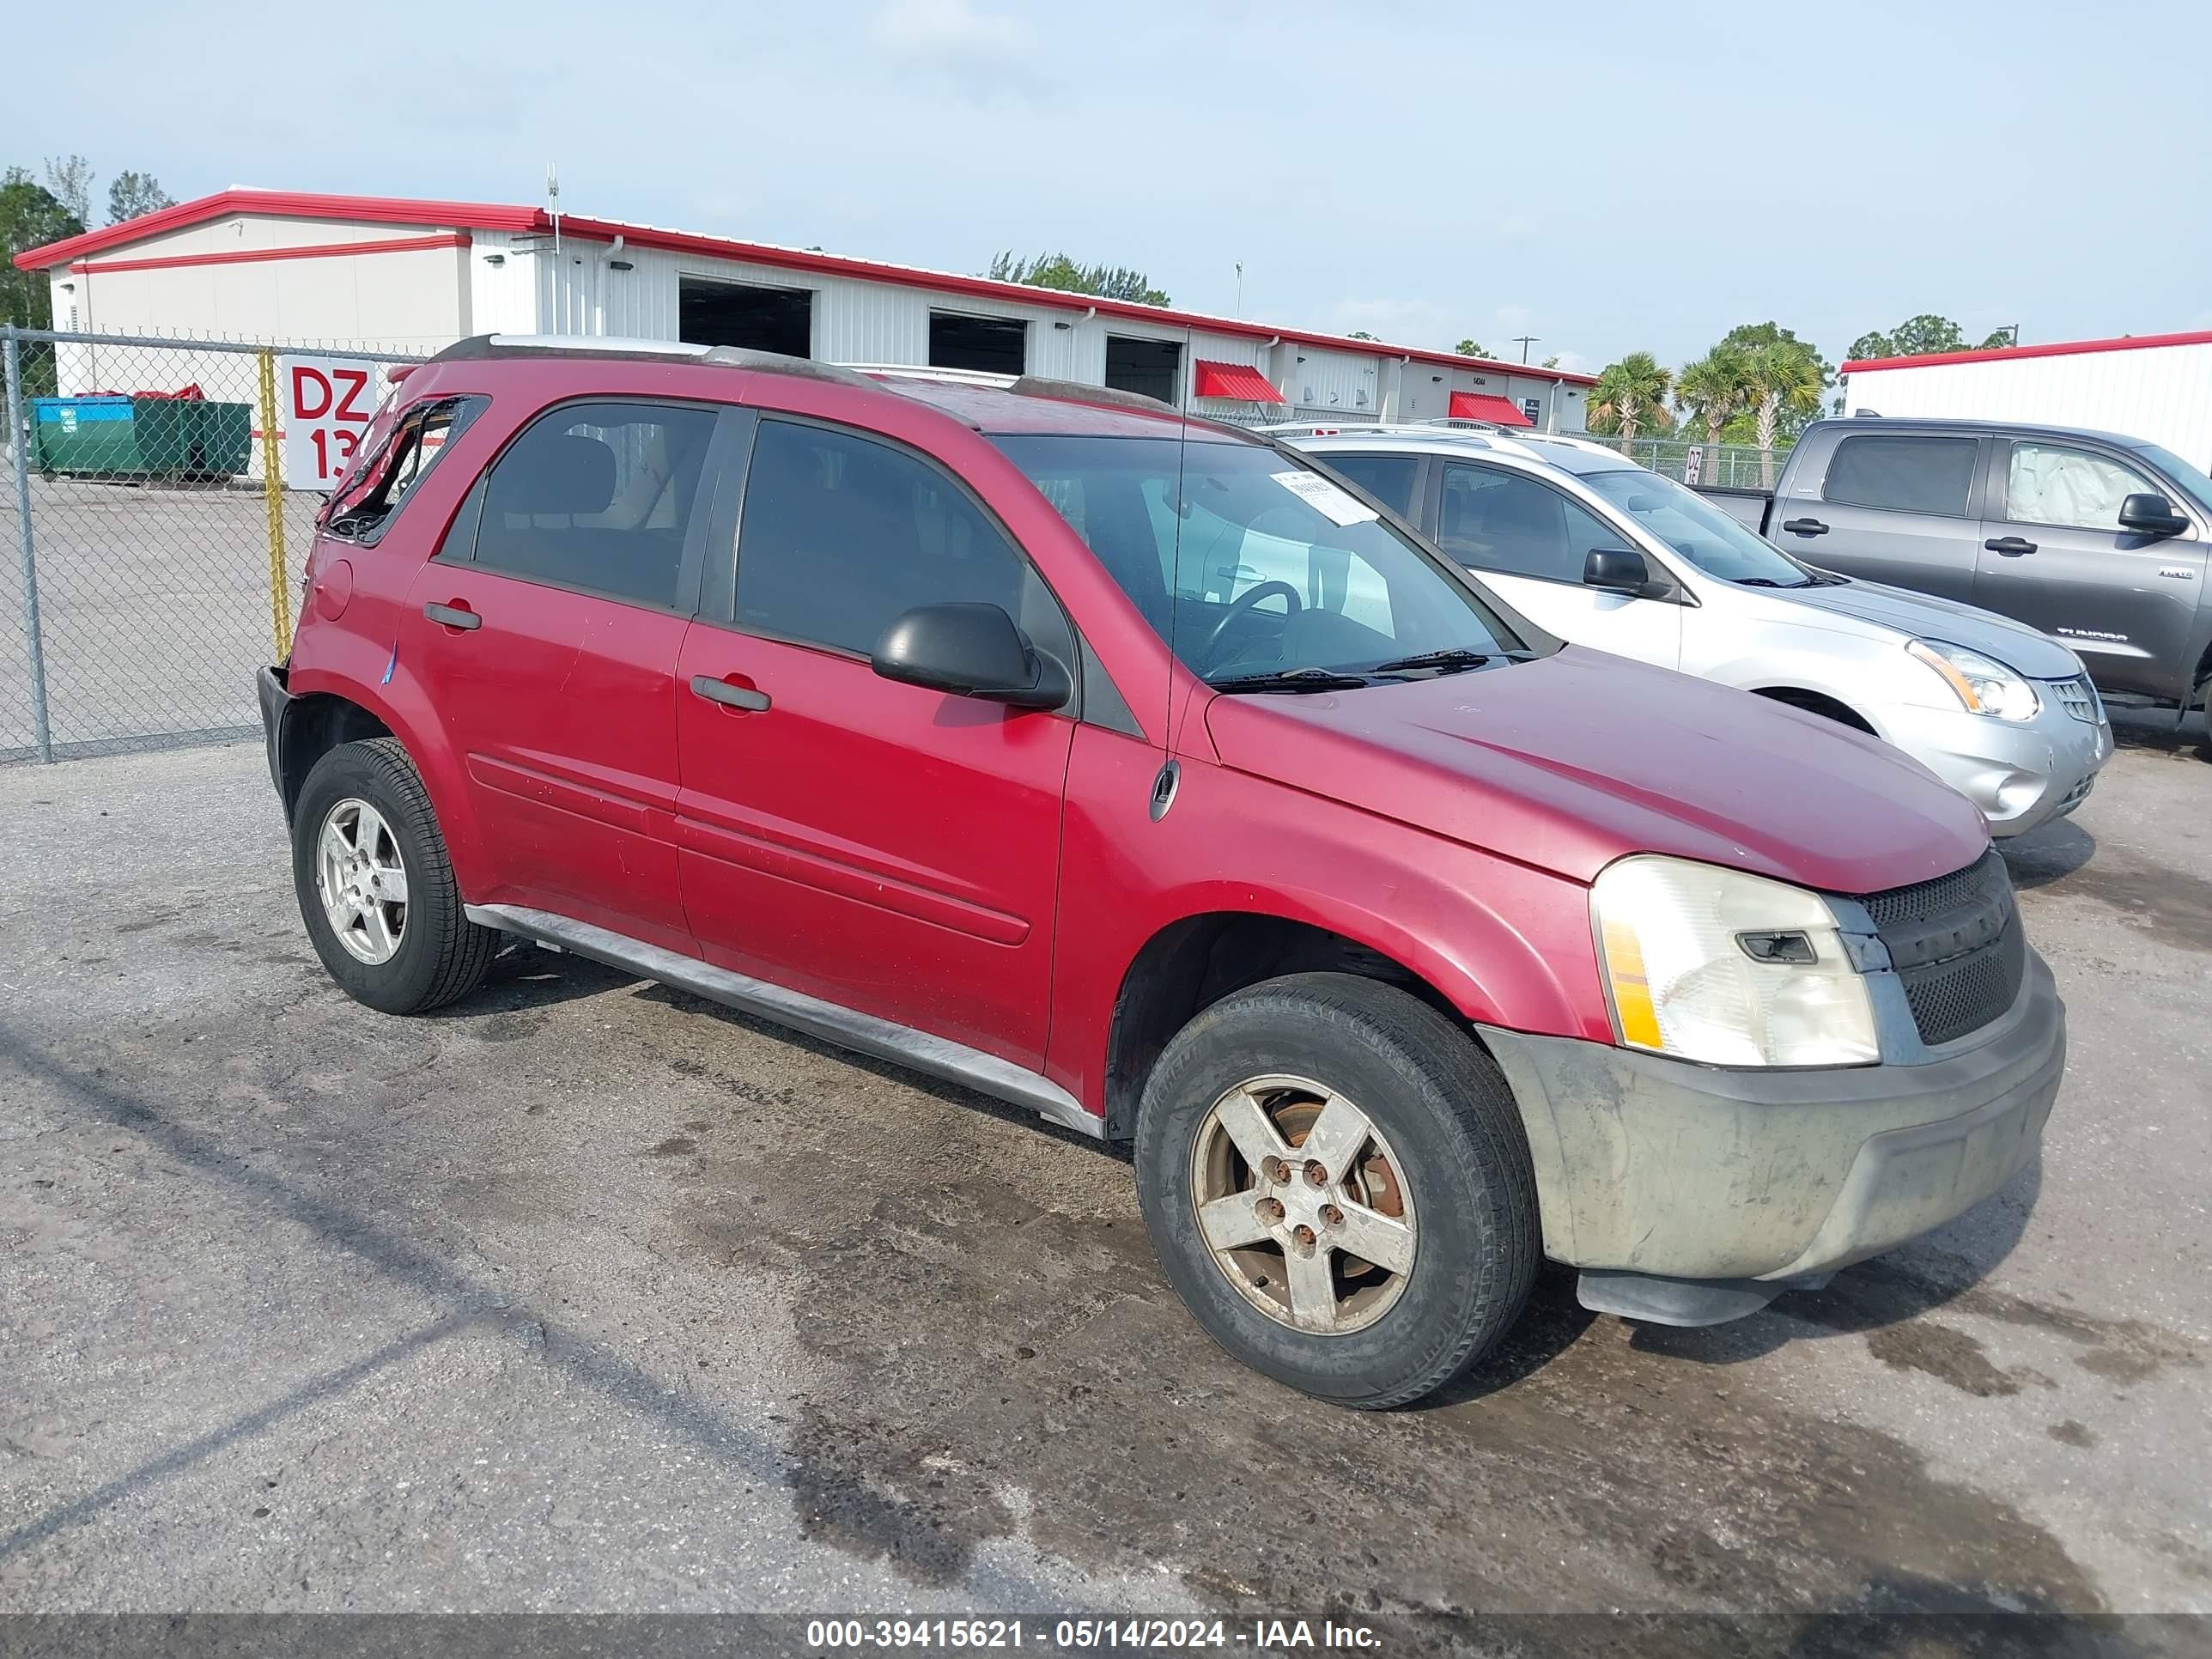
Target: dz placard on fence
column 323, row 408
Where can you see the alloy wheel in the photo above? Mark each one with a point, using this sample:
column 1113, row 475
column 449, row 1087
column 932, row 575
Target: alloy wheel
column 1306, row 1208
column 361, row 880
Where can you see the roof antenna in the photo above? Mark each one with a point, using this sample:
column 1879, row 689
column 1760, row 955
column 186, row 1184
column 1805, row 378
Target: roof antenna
column 553, row 208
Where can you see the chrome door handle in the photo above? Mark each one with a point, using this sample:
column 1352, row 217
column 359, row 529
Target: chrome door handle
column 730, row 696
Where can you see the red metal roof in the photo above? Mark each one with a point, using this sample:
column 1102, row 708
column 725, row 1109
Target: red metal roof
column 1238, row 380
column 1487, row 406
column 2054, row 348
column 485, row 215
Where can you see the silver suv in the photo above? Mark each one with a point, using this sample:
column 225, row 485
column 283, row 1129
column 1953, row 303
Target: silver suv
column 1605, row 553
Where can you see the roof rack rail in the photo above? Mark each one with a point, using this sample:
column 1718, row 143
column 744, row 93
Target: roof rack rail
column 478, row 347
column 1387, row 429
column 481, row 347
column 924, row 372
column 1082, row 392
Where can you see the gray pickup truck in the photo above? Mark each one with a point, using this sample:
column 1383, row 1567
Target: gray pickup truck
column 2098, row 540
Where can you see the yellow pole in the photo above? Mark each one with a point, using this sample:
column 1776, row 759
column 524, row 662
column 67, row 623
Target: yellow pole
column 272, row 493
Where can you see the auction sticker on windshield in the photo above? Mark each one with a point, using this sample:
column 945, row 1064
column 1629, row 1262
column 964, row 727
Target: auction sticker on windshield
column 1336, row 505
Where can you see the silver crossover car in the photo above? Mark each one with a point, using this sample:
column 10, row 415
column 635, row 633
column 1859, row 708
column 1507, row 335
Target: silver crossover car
column 1604, row 553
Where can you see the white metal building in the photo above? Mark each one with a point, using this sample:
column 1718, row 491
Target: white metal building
column 376, row 272
column 2157, row 387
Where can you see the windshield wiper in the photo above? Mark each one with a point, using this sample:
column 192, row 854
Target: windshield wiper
column 1450, row 658
column 1291, row 679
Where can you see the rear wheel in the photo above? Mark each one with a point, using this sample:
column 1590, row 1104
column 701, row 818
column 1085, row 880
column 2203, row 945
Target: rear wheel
column 1336, row 1181
column 375, row 886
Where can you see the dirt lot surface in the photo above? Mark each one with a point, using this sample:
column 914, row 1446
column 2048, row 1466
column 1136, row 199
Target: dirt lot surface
column 585, row 1295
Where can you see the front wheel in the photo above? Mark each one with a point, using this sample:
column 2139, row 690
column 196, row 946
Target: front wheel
column 375, row 886
column 1335, row 1179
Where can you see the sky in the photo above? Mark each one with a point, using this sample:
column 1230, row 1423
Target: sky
column 1606, row 178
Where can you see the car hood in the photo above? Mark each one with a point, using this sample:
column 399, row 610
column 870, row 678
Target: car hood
column 1925, row 617
column 1576, row 759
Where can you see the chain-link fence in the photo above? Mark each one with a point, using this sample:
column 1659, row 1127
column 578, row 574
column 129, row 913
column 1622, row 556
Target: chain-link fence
column 1729, row 466
column 157, row 561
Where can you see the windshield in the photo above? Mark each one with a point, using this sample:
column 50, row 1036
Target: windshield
column 1251, row 564
column 1698, row 529
column 2190, row 478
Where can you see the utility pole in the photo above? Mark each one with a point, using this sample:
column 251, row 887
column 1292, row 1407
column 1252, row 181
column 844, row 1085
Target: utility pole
column 1240, row 288
column 1524, row 341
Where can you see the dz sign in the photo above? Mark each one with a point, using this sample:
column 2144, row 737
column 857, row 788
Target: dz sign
column 323, row 408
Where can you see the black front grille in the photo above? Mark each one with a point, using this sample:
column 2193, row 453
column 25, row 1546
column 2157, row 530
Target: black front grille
column 1956, row 944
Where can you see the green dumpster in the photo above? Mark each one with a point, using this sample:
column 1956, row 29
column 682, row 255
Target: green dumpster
column 112, row 435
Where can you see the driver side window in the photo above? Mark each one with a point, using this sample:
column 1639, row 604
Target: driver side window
column 1493, row 520
column 2048, row 484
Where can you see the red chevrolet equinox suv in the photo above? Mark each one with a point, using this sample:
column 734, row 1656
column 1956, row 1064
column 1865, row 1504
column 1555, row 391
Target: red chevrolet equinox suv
column 1138, row 771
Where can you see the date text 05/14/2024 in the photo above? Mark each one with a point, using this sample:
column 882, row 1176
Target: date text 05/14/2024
column 1087, row 1635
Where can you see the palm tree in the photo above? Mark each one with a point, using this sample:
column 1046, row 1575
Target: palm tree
column 1783, row 377
column 1630, row 392
column 1713, row 389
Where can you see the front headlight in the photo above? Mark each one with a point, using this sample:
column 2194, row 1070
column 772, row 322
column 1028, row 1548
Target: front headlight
column 1984, row 684
column 1714, row 965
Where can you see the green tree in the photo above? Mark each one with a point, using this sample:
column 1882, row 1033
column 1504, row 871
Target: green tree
column 1713, row 389
column 1751, row 338
column 1919, row 336
column 1359, row 334
column 1058, row 270
column 1782, row 379
column 30, row 216
column 133, row 195
column 1469, row 348
column 1629, row 393
column 69, row 178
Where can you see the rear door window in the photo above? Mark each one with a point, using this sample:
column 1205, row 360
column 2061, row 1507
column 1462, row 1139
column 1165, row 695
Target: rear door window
column 1903, row 473
column 1498, row 520
column 598, row 496
column 1390, row 479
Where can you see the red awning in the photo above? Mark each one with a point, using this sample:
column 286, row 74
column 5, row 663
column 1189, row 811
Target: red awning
column 1238, row 380
column 1483, row 406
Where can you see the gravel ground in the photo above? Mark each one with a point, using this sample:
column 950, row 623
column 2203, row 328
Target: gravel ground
column 585, row 1295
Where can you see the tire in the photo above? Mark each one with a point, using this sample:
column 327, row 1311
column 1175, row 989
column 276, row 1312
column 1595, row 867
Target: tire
column 2204, row 708
column 437, row 953
column 1443, row 1123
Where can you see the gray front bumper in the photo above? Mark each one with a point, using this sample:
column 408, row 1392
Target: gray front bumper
column 2020, row 775
column 1653, row 1166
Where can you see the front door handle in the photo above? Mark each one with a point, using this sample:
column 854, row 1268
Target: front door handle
column 453, row 615
column 2011, row 547
column 729, row 696
column 1806, row 527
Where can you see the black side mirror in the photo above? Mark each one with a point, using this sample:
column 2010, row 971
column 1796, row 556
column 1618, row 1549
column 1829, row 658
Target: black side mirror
column 2151, row 514
column 1622, row 570
column 971, row 651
